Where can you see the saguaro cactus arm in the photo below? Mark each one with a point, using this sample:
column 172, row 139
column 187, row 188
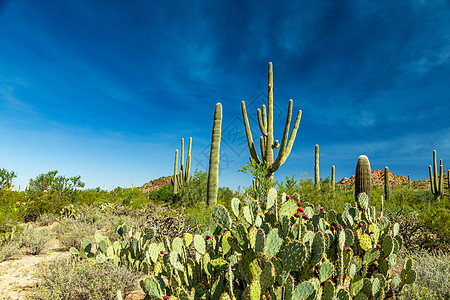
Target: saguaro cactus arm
column 248, row 132
column 175, row 174
column 286, row 146
column 214, row 157
column 187, row 172
column 262, row 120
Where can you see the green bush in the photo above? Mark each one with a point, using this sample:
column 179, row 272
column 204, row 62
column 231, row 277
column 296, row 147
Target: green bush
column 62, row 279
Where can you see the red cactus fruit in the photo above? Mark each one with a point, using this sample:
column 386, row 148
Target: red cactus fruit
column 349, row 249
column 337, row 276
column 299, row 204
column 305, row 217
column 162, row 252
column 131, row 237
column 332, row 228
column 372, row 232
column 378, row 246
column 287, row 197
column 301, row 209
column 207, row 237
column 322, row 208
column 360, row 225
column 339, row 227
column 376, row 258
column 166, row 297
column 296, row 215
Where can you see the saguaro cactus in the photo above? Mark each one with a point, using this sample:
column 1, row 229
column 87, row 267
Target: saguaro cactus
column 267, row 143
column 333, row 178
column 214, row 157
column 436, row 186
column 182, row 177
column 175, row 174
column 316, row 166
column 363, row 179
column 386, row 183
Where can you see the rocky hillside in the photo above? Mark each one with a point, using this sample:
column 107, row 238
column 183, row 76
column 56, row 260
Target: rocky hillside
column 377, row 180
column 156, row 184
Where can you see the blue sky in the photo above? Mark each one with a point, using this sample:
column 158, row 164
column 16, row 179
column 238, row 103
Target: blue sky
column 107, row 89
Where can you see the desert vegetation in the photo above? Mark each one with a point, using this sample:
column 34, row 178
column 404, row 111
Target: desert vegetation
column 296, row 238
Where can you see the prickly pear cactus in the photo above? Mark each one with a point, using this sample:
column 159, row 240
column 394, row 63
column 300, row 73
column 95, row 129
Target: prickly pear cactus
column 282, row 250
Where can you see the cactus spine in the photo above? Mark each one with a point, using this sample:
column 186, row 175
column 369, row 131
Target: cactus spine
column 214, row 157
column 363, row 180
column 316, row 166
column 437, row 186
column 267, row 143
column 386, row 183
column 333, row 178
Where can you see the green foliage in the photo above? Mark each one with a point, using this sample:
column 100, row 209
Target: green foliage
column 289, row 187
column 12, row 209
column 6, row 178
column 165, row 193
column 59, row 184
column 261, row 177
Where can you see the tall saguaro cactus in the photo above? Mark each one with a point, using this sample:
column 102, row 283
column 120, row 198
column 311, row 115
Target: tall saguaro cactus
column 214, row 157
column 363, row 179
column 333, row 178
column 316, row 166
column 386, row 183
column 267, row 143
column 436, row 185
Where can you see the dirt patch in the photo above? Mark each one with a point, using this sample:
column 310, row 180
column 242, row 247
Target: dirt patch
column 17, row 276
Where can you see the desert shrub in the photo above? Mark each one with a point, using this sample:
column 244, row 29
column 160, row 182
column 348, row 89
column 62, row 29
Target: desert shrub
column 34, row 239
column 9, row 250
column 72, row 232
column 62, row 279
column 433, row 281
column 46, row 219
column 436, row 220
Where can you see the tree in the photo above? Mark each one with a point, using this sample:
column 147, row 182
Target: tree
column 50, row 182
column 6, row 178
